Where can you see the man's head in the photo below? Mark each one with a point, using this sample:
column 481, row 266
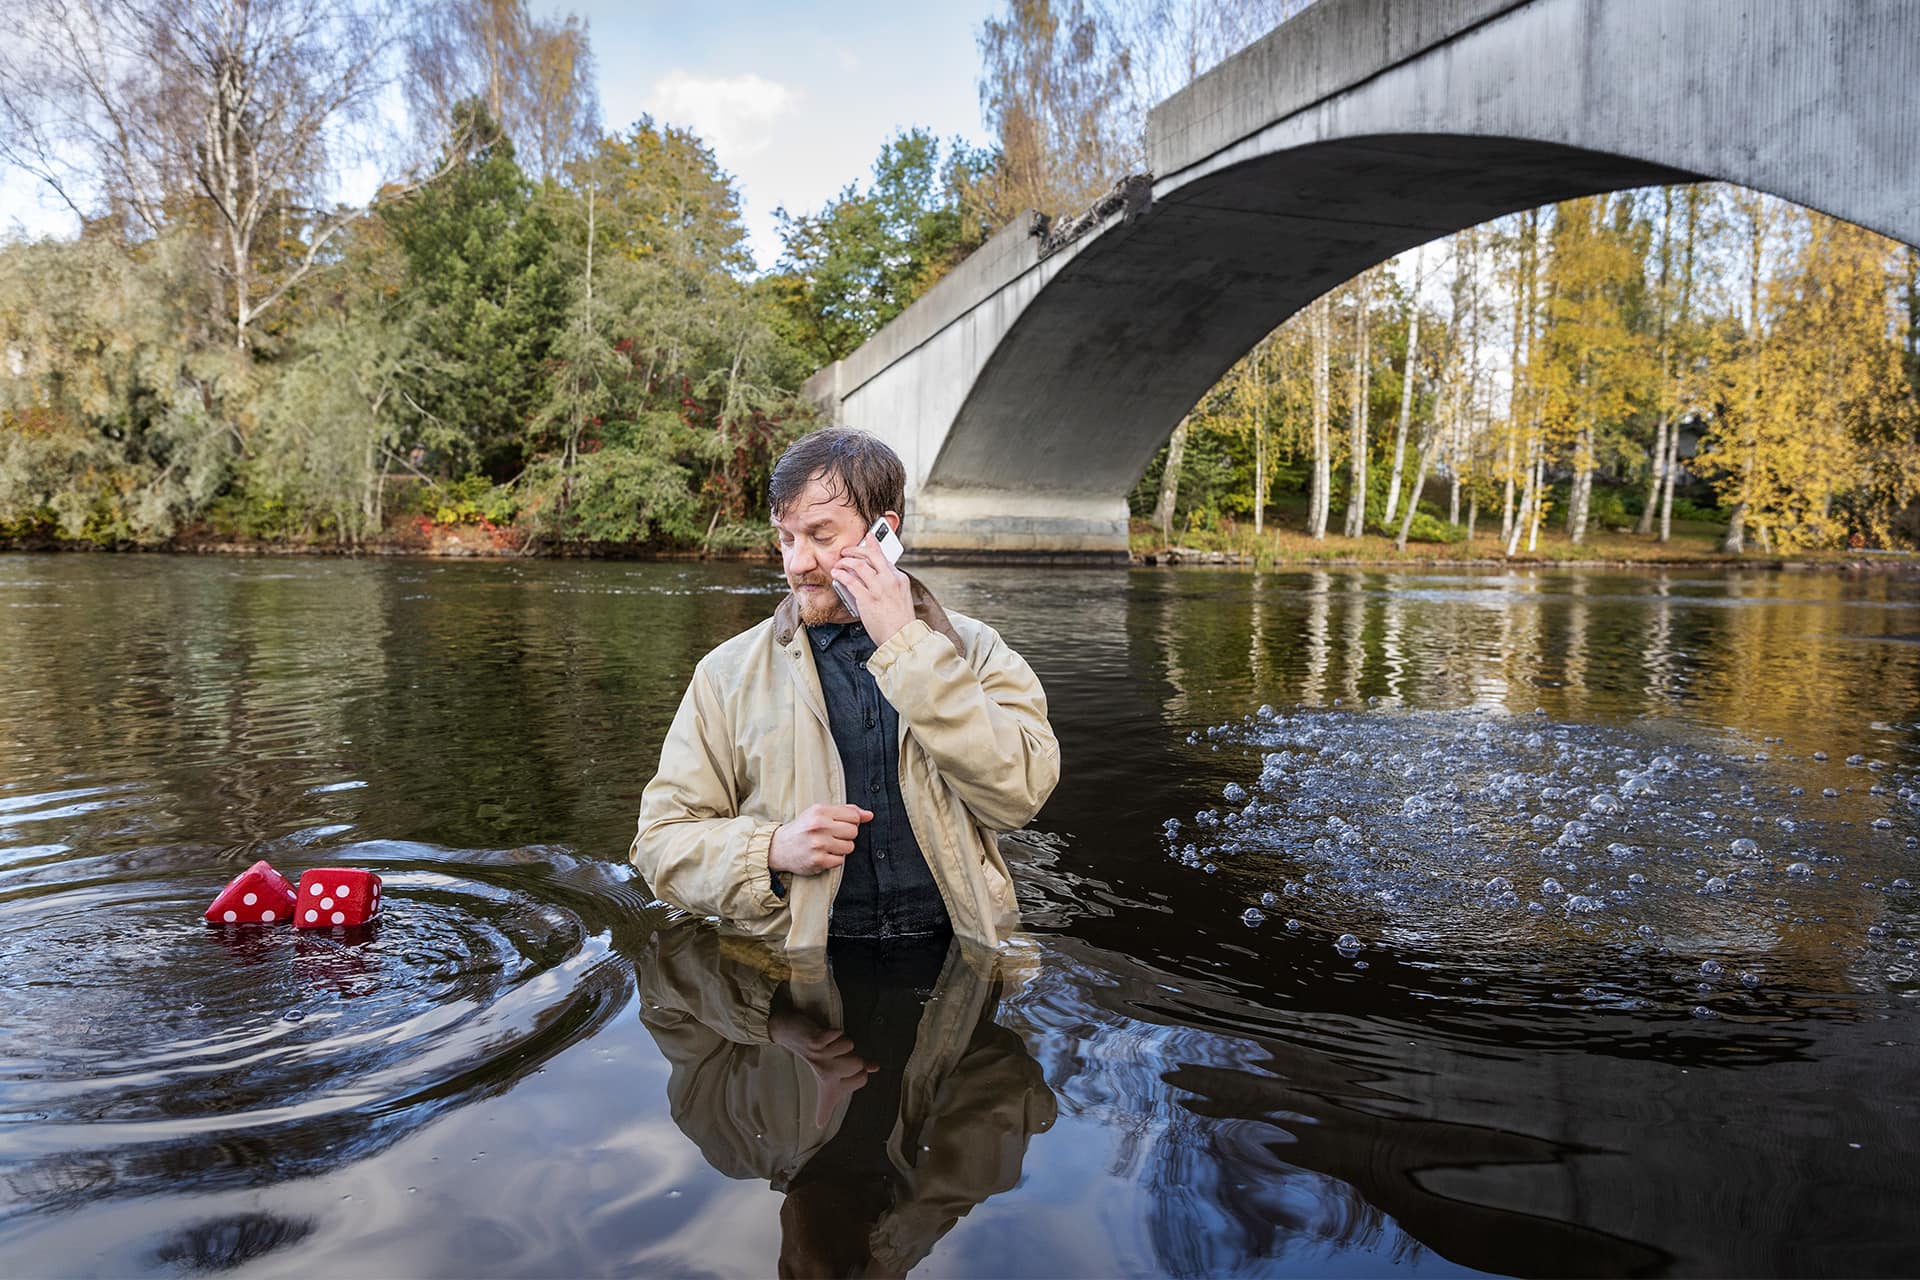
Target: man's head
column 827, row 489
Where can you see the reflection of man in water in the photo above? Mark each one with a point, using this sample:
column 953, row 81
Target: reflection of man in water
column 828, row 775
column 878, row 1094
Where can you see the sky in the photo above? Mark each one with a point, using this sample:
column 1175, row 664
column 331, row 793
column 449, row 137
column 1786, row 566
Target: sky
column 795, row 99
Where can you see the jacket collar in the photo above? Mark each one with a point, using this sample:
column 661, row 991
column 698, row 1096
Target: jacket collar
column 786, row 619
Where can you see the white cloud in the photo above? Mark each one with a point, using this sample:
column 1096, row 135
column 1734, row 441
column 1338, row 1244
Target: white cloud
column 732, row 114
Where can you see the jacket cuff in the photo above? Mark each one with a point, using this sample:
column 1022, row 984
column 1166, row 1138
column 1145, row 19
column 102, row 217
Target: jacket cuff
column 897, row 646
column 759, row 875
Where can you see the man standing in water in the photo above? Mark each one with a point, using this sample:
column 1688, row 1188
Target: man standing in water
column 832, row 776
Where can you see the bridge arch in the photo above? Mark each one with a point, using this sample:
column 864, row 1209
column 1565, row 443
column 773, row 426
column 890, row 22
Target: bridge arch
column 1028, row 392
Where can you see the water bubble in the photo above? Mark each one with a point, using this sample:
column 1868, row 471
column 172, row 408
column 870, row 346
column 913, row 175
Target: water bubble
column 1714, row 885
column 1211, row 867
column 1235, row 793
column 1883, row 824
column 1831, row 793
column 1252, row 917
column 1269, row 899
column 1855, row 761
column 1580, row 904
column 1551, row 887
column 1799, row 869
column 1636, row 878
column 1347, row 945
column 1645, row 931
column 1711, row 968
column 1499, row 885
column 1604, row 802
column 1749, row 979
column 1901, row 884
column 1703, row 1013
column 1293, row 925
column 1291, row 889
column 1785, row 824
column 1744, row 848
column 1819, row 755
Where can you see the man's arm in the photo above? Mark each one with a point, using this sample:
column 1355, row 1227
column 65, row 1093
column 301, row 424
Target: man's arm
column 693, row 846
column 986, row 728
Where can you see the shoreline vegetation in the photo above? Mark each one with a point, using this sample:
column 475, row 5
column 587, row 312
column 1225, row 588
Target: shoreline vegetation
column 549, row 334
column 1696, row 546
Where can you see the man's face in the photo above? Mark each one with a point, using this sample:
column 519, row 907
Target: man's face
column 814, row 530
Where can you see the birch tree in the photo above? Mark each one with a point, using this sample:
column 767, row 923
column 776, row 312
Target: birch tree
column 227, row 115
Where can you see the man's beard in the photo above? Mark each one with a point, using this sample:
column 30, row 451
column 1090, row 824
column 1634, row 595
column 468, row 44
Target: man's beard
column 819, row 607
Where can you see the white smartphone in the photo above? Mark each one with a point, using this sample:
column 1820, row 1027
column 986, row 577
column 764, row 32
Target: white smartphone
column 889, row 541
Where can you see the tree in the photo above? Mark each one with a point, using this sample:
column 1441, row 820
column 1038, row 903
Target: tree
column 222, row 116
column 1362, row 388
column 534, row 77
column 491, row 294
column 1406, row 390
column 111, row 422
column 1051, row 75
column 867, row 255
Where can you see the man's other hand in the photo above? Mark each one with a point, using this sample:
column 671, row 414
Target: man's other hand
column 818, row 840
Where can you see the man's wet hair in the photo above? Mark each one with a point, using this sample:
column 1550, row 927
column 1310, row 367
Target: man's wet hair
column 852, row 465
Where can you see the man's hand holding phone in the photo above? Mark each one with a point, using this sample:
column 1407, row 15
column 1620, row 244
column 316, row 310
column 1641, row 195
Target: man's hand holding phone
column 881, row 595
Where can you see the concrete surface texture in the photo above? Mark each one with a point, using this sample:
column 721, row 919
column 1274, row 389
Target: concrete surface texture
column 1027, row 394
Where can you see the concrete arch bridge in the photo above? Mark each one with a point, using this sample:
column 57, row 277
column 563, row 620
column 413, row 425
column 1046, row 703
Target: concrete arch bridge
column 1028, row 390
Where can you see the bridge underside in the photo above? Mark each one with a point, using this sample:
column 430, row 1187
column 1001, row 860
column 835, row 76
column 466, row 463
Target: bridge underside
column 1027, row 395
column 1090, row 379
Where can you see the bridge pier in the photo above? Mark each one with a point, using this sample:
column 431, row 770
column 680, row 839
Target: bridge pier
column 947, row 524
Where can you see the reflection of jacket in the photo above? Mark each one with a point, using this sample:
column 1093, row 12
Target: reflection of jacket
column 750, row 748
column 971, row 1096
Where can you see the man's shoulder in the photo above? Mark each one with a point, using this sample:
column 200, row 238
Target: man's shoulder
column 732, row 658
column 977, row 637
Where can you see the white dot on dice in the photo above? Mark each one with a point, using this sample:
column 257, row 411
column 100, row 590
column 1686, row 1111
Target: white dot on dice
column 327, row 903
column 251, row 898
column 315, row 891
column 342, row 890
column 313, row 915
column 266, row 917
column 231, row 916
column 339, row 917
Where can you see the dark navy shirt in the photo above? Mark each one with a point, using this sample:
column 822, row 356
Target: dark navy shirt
column 886, row 888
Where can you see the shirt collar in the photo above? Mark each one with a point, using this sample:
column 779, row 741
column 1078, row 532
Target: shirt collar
column 824, row 634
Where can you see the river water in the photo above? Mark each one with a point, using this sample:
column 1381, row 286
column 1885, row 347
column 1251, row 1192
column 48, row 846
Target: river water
column 1532, row 922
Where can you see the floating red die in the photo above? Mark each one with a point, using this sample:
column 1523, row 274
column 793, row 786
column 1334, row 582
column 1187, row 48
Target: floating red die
column 258, row 895
column 336, row 895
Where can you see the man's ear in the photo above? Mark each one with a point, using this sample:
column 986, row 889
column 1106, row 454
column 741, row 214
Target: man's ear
column 893, row 518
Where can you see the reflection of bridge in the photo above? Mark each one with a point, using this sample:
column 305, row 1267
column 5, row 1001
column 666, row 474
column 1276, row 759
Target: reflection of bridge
column 1027, row 393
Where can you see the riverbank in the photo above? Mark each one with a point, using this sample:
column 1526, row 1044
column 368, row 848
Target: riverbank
column 1271, row 549
column 1693, row 544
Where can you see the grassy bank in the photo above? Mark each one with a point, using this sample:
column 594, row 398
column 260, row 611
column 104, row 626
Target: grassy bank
column 1693, row 542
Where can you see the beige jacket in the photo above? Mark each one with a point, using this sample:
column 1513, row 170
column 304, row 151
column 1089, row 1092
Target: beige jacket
column 971, row 1100
column 750, row 748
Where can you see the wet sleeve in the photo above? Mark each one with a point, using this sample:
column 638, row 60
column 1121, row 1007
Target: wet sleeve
column 693, row 846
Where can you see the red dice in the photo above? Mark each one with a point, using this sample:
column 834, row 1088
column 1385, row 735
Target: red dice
column 258, row 895
column 330, row 896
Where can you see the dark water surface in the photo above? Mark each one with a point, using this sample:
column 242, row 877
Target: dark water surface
column 1546, row 922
